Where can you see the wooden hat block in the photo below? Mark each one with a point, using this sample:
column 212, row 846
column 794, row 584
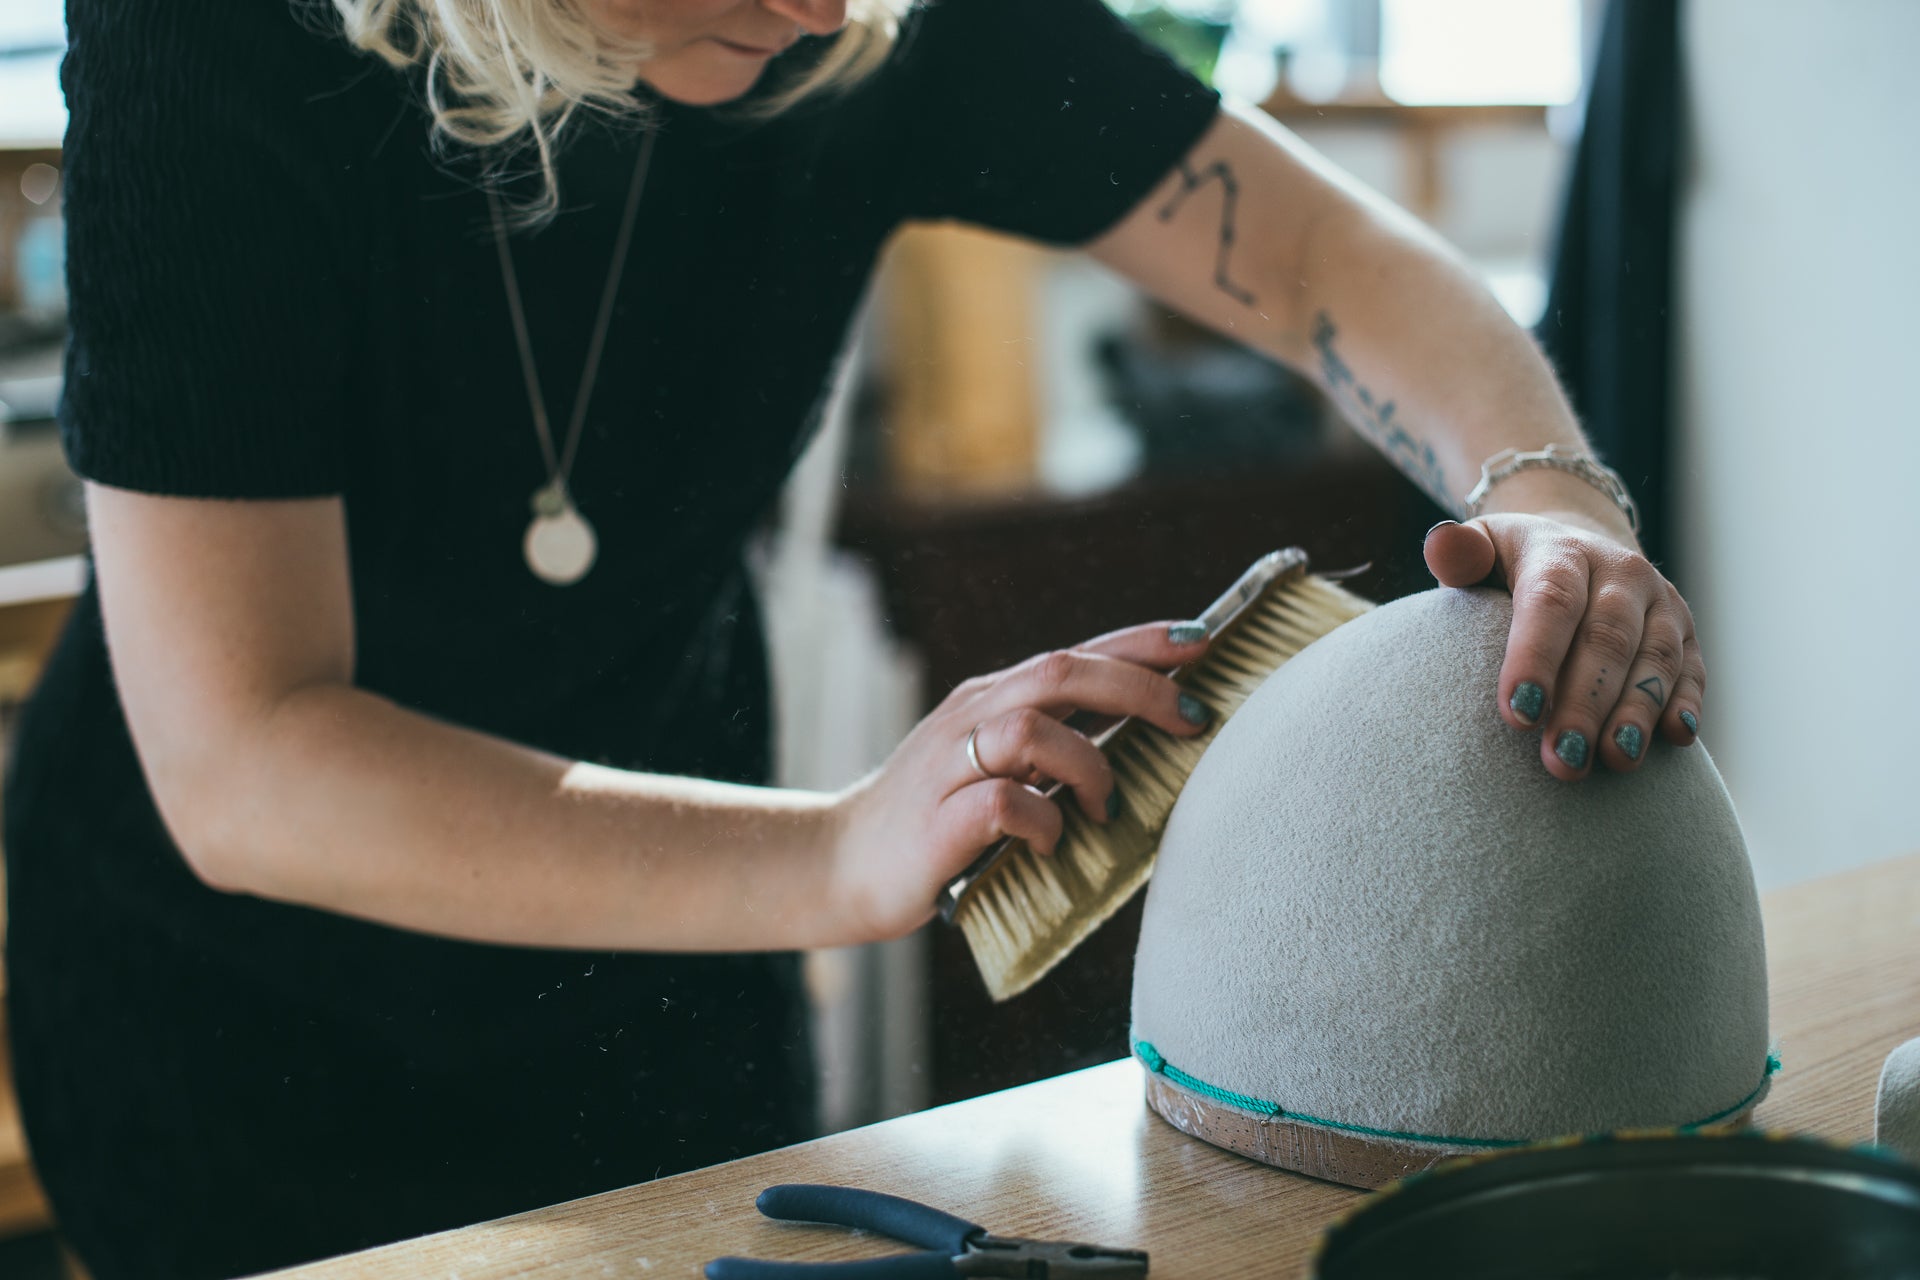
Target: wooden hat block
column 1380, row 934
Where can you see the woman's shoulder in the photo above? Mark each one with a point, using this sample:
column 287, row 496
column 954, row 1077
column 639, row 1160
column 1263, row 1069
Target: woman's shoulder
column 210, row 67
column 1048, row 55
column 1046, row 118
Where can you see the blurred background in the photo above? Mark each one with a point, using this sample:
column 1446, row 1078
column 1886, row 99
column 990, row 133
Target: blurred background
column 1705, row 209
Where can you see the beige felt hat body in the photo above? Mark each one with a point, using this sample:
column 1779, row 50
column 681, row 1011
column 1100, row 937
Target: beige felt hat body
column 1376, row 918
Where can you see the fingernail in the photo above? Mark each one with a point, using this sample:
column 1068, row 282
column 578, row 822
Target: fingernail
column 1572, row 749
column 1113, row 802
column 1693, row 725
column 1187, row 632
column 1527, row 701
column 1194, row 711
column 1429, row 532
column 1627, row 738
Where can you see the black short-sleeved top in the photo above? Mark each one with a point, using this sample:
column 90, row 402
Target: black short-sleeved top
column 279, row 289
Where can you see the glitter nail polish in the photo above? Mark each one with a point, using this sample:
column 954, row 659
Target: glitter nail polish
column 1572, row 749
column 1528, row 700
column 1628, row 738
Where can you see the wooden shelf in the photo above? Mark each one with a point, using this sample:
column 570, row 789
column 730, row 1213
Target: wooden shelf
column 1288, row 108
column 1424, row 130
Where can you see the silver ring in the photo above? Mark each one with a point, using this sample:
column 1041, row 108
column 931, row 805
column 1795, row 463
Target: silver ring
column 973, row 754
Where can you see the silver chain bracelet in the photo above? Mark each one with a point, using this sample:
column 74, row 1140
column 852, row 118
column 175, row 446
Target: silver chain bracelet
column 1589, row 468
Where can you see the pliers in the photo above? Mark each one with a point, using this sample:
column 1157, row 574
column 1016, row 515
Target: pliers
column 952, row 1246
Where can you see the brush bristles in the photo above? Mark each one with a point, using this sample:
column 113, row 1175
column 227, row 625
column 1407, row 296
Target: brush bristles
column 1028, row 912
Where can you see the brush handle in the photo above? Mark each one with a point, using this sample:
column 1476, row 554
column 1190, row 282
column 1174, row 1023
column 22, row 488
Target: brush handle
column 1276, row 566
column 956, row 888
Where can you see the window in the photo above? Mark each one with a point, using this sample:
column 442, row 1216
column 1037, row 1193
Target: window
column 33, row 36
column 1480, row 51
column 1416, row 52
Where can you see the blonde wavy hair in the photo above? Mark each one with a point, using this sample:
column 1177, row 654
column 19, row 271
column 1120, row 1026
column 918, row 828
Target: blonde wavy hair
column 505, row 76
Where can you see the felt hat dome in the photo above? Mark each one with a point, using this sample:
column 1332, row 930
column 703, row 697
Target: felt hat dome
column 1380, row 933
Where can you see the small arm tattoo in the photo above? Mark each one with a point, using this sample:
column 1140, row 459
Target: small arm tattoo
column 1191, row 182
column 1376, row 418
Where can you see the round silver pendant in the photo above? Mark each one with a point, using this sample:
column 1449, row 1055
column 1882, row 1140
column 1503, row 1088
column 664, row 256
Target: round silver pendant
column 560, row 545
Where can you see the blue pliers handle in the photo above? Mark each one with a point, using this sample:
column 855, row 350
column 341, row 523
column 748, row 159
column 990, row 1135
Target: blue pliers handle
column 950, row 1246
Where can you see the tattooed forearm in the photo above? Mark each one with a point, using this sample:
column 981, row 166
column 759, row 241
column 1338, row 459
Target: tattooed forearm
column 1191, row 182
column 1376, row 419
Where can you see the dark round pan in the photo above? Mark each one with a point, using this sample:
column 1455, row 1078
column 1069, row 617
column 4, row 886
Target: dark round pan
column 1664, row 1206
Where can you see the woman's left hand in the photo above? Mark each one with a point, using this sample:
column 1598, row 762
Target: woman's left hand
column 1602, row 650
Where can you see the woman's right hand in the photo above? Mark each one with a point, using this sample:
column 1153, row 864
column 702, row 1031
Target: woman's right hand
column 904, row 831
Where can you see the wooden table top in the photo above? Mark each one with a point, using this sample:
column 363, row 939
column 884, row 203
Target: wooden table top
column 1079, row 1157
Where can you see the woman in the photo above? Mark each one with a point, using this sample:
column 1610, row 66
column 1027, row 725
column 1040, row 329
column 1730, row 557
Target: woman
column 384, row 846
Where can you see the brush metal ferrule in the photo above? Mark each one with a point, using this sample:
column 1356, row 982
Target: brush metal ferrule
column 1276, row 566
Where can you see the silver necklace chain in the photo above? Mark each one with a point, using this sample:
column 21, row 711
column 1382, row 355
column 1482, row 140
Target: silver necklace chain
column 560, row 466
